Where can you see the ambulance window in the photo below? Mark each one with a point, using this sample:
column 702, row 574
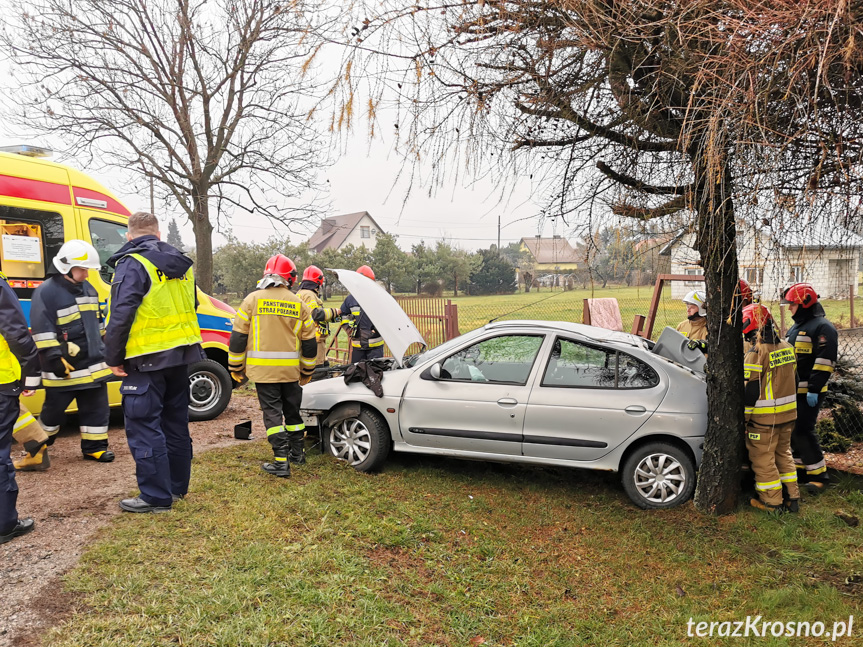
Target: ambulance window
column 30, row 240
column 108, row 237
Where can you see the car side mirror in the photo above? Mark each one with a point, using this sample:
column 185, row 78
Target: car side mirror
column 434, row 371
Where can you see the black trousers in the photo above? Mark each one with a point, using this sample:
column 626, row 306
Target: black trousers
column 8, row 487
column 93, row 414
column 280, row 405
column 363, row 354
column 804, row 440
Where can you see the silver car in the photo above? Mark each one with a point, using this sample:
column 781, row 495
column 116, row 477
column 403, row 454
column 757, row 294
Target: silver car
column 539, row 392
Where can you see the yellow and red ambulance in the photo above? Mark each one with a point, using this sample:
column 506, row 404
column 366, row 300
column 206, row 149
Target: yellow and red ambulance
column 42, row 205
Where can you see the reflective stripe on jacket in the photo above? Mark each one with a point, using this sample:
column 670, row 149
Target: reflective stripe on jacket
column 363, row 332
column 772, row 367
column 816, row 344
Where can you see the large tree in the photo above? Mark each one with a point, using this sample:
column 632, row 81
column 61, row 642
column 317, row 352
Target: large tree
column 209, row 100
column 648, row 108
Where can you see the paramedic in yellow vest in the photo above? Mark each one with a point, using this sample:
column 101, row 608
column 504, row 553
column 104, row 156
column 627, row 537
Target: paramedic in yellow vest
column 19, row 375
column 151, row 338
column 273, row 343
column 310, row 293
column 695, row 325
column 770, row 400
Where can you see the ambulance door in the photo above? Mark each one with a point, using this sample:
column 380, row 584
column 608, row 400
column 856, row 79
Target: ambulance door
column 107, row 233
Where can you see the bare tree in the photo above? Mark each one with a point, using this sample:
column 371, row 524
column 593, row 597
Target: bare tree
column 717, row 111
column 210, row 99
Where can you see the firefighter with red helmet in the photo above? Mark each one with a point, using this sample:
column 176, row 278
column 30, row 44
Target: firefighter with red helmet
column 816, row 344
column 744, row 293
column 770, row 403
column 273, row 342
column 310, row 294
column 366, row 341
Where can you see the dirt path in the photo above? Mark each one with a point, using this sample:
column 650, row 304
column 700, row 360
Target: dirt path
column 70, row 503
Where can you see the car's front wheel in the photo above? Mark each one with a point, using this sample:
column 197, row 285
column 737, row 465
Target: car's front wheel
column 363, row 441
column 658, row 475
column 209, row 389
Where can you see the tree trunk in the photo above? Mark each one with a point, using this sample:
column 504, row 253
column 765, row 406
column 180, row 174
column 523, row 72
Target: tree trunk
column 203, row 242
column 719, row 476
column 455, row 285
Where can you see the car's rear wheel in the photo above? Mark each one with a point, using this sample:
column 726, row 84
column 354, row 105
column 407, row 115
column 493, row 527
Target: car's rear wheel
column 363, row 441
column 658, row 475
column 209, row 389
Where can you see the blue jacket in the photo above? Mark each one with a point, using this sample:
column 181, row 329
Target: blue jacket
column 13, row 328
column 364, row 329
column 128, row 288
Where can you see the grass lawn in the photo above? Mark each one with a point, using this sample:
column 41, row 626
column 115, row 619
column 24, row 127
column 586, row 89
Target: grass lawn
column 442, row 552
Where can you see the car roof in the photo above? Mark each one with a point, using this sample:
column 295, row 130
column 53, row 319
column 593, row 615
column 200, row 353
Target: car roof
column 588, row 332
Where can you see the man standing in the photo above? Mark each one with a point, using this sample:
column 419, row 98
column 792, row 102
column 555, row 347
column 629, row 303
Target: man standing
column 816, row 344
column 151, row 338
column 67, row 327
column 309, row 293
column 273, row 341
column 771, row 409
column 366, row 341
column 17, row 352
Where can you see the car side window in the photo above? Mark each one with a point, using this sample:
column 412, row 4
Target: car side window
column 504, row 360
column 574, row 364
column 108, row 237
column 634, row 374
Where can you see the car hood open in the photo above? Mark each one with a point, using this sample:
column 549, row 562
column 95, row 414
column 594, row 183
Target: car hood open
column 390, row 320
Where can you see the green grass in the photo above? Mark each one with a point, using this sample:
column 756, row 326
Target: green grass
column 443, row 552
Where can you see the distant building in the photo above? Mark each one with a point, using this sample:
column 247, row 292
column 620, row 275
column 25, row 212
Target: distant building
column 355, row 229
column 552, row 254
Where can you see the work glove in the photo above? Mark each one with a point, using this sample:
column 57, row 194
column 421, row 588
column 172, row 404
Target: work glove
column 812, row 399
column 305, row 378
column 60, row 367
column 239, row 377
column 698, row 344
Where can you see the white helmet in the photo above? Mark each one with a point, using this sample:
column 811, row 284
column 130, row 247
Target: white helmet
column 696, row 298
column 76, row 253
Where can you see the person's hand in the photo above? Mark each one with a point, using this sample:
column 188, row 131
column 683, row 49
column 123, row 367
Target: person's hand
column 239, row 377
column 697, row 344
column 306, row 377
column 118, row 371
column 28, row 393
column 812, row 399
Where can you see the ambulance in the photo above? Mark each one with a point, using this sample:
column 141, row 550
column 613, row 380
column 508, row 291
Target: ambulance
column 42, row 205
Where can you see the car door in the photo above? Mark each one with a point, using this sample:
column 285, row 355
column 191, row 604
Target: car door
column 477, row 404
column 588, row 399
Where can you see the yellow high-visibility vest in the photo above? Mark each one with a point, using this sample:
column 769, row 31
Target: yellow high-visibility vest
column 10, row 369
column 166, row 318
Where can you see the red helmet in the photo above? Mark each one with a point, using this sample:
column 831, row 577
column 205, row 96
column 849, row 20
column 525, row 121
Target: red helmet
column 755, row 316
column 282, row 266
column 800, row 293
column 366, row 271
column 313, row 274
column 745, row 292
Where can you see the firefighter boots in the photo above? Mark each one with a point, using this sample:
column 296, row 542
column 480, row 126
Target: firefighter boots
column 282, row 469
column 38, row 463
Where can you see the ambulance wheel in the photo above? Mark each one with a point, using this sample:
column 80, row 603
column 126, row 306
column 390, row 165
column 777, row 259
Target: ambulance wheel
column 209, row 389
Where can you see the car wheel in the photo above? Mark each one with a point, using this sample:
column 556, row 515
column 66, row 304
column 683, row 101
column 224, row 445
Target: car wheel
column 363, row 441
column 658, row 475
column 209, row 389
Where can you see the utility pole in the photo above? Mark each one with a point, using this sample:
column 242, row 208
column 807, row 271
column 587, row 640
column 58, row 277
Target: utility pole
column 152, row 200
column 498, row 235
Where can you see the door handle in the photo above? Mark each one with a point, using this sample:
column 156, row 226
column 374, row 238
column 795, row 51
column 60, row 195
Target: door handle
column 635, row 409
column 507, row 402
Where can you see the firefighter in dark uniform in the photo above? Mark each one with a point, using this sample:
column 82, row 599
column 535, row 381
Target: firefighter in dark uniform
column 67, row 327
column 273, row 342
column 309, row 293
column 18, row 358
column 366, row 341
column 770, row 401
column 151, row 338
column 816, row 344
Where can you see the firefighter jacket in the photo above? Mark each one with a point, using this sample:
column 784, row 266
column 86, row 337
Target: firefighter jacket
column 770, row 396
column 141, row 264
column 67, row 324
column 273, row 339
column 364, row 334
column 693, row 329
column 18, row 353
column 816, row 344
column 322, row 316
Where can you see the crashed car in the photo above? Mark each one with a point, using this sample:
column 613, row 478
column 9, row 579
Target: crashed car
column 538, row 392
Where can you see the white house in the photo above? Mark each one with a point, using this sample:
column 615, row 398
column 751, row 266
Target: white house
column 355, row 229
column 773, row 258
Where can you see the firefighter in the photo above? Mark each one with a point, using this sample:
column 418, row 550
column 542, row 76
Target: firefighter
column 366, row 341
column 770, row 402
column 67, row 327
column 816, row 344
column 34, row 439
column 151, row 338
column 695, row 325
column 744, row 293
column 309, row 293
column 273, row 342
column 18, row 358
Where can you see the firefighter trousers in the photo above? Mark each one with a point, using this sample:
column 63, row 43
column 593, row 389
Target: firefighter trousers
column 363, row 354
column 280, row 406
column 93, row 414
column 28, row 432
column 9, row 411
column 770, row 454
column 804, row 440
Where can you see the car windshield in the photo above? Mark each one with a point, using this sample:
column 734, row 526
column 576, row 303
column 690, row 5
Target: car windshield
column 443, row 349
